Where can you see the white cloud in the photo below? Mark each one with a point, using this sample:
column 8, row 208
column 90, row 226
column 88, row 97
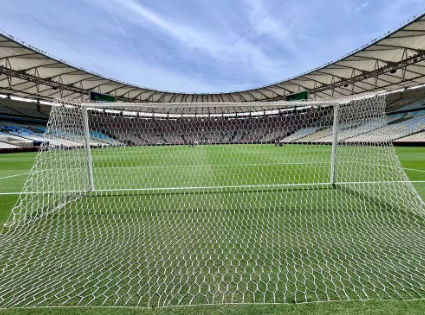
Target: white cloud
column 131, row 69
column 362, row 7
column 161, row 44
column 242, row 55
column 141, row 15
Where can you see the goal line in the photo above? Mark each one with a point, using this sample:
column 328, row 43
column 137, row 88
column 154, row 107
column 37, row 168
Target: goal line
column 209, row 187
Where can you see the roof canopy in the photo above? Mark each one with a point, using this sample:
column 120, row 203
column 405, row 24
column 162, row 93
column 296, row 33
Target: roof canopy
column 394, row 61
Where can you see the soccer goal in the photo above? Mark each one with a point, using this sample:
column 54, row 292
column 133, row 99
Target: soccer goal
column 152, row 205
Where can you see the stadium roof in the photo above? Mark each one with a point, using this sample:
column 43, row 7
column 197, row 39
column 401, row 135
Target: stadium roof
column 395, row 61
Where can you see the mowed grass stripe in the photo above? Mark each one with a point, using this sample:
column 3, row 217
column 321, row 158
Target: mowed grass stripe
column 221, row 165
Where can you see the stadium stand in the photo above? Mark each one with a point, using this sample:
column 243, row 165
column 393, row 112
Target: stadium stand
column 29, row 112
column 25, row 135
column 223, row 131
column 347, row 131
column 399, row 128
column 15, row 141
column 21, row 110
column 317, row 136
column 26, row 122
column 418, row 105
column 4, row 145
column 299, row 134
column 418, row 137
column 7, row 111
column 405, row 100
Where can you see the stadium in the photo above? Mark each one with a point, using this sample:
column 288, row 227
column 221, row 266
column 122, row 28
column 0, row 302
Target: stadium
column 300, row 197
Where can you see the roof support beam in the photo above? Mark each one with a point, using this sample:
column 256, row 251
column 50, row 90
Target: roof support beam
column 384, row 70
column 9, row 73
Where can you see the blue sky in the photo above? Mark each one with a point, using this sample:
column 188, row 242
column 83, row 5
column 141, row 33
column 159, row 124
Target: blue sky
column 201, row 45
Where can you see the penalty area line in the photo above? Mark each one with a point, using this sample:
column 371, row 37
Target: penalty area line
column 415, row 170
column 14, row 176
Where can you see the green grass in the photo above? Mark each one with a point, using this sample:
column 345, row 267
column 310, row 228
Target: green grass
column 212, row 168
column 331, row 308
column 17, row 165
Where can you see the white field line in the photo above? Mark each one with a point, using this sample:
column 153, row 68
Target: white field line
column 209, row 188
column 415, row 170
column 14, row 176
column 99, row 169
column 205, row 165
column 102, row 169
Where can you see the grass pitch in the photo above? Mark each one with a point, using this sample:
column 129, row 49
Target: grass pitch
column 15, row 166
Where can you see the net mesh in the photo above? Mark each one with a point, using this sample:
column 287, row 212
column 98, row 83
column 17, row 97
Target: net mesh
column 166, row 205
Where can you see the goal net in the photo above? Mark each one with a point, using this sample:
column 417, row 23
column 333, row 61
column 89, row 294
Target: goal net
column 155, row 205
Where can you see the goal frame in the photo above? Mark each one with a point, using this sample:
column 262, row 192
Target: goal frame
column 295, row 104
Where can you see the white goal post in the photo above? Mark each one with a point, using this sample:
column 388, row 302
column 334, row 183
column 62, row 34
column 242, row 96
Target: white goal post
column 334, row 143
column 87, row 145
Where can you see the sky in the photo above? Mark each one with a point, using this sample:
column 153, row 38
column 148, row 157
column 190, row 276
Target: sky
column 202, row 45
